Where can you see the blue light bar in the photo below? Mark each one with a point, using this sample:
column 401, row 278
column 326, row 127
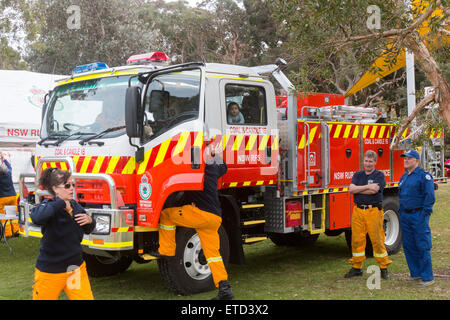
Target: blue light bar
column 90, row 67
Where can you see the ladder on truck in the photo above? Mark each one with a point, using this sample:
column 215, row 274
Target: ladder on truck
column 344, row 113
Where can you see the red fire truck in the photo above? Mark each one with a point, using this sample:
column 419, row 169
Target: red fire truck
column 289, row 166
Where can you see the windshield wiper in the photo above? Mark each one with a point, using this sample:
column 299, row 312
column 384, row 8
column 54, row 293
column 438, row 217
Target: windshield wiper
column 61, row 140
column 53, row 136
column 100, row 134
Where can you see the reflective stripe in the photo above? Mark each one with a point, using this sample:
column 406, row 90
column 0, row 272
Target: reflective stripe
column 358, row 254
column 214, row 259
column 380, row 255
column 165, row 227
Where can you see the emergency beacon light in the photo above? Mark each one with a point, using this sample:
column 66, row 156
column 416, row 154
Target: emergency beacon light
column 90, row 67
column 147, row 58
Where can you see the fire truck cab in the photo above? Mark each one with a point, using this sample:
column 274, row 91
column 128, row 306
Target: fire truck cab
column 134, row 139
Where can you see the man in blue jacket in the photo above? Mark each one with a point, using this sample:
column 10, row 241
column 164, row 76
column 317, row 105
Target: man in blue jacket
column 416, row 194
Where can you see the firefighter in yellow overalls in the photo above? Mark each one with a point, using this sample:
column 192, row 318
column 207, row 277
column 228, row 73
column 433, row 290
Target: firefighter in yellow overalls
column 204, row 214
column 367, row 186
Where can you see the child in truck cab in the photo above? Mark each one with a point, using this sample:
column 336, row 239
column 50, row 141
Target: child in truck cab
column 234, row 115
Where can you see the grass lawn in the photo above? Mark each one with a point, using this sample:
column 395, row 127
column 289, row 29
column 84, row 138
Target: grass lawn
column 271, row 272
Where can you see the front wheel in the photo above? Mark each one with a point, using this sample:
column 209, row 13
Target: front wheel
column 100, row 266
column 188, row 272
column 391, row 225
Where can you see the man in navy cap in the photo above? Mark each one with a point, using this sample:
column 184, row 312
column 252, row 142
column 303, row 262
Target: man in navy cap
column 416, row 194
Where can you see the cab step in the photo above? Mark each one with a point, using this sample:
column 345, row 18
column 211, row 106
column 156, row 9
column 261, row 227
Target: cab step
column 253, row 238
column 253, row 222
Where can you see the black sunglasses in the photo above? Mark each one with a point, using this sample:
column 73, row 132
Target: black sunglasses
column 67, row 185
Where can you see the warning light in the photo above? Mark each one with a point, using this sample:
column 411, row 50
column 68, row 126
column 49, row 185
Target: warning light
column 157, row 58
column 90, row 67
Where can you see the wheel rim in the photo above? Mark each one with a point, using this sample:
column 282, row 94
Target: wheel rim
column 391, row 227
column 194, row 262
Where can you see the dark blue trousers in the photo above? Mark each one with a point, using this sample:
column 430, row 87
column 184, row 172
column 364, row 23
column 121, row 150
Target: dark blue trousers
column 416, row 237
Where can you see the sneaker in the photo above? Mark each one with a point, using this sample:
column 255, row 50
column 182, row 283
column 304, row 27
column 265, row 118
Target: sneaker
column 425, row 283
column 225, row 292
column 353, row 273
column 385, row 274
column 413, row 278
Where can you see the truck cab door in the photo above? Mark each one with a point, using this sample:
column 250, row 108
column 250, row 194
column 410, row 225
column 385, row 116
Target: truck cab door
column 249, row 136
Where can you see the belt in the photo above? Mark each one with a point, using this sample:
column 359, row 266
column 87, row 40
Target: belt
column 370, row 206
column 412, row 210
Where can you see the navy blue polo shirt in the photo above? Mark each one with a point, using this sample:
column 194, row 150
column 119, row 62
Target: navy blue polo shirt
column 360, row 178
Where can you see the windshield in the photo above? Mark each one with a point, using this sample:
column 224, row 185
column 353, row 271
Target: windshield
column 171, row 98
column 87, row 107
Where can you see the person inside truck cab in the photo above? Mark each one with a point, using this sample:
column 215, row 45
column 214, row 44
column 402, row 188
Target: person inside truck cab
column 233, row 114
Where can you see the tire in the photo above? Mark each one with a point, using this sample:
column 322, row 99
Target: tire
column 296, row 239
column 99, row 266
column 391, row 226
column 188, row 272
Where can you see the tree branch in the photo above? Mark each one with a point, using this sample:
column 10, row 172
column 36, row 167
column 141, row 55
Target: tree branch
column 392, row 32
column 422, row 104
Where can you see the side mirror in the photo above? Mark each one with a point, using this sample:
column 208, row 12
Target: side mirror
column 132, row 108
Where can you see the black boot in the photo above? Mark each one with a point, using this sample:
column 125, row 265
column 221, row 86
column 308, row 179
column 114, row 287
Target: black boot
column 159, row 255
column 225, row 292
column 353, row 272
column 385, row 274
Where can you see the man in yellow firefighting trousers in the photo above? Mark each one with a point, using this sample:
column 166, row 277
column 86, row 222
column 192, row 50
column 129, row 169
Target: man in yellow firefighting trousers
column 204, row 215
column 367, row 186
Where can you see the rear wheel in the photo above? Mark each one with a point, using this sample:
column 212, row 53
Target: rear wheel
column 188, row 272
column 391, row 226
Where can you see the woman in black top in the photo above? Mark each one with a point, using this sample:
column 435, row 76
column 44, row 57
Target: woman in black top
column 63, row 222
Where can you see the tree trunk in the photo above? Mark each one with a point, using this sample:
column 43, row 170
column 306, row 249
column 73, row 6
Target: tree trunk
column 434, row 73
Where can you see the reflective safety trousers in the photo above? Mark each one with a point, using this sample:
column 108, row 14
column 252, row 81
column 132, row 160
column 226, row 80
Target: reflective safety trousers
column 369, row 221
column 74, row 282
column 205, row 223
column 12, row 226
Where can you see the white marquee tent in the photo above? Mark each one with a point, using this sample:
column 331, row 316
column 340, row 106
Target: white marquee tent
column 21, row 98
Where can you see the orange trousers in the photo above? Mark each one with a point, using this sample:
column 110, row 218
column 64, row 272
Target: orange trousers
column 14, row 224
column 75, row 283
column 205, row 223
column 369, row 221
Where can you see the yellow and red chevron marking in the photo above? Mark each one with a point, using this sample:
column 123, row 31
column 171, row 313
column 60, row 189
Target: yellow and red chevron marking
column 322, row 191
column 314, row 135
column 344, row 130
column 252, row 142
column 123, row 229
column 375, row 131
column 96, row 164
column 247, row 183
column 436, row 134
column 404, row 134
column 175, row 146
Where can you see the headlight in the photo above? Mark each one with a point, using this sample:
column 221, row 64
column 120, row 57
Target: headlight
column 103, row 223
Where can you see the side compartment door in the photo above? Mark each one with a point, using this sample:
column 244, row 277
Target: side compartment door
column 344, row 152
column 309, row 154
